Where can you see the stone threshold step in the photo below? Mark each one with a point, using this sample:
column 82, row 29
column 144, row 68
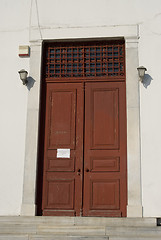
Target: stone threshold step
column 43, row 229
column 99, row 221
column 14, row 237
column 55, row 230
column 134, row 238
column 50, row 237
column 134, row 232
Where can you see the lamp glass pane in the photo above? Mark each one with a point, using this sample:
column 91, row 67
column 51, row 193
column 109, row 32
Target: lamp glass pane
column 141, row 72
column 23, row 75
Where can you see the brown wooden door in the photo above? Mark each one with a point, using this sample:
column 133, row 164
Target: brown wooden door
column 105, row 150
column 62, row 177
column 89, row 118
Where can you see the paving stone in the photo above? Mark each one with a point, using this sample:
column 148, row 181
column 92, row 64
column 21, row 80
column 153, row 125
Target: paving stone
column 37, row 220
column 115, row 221
column 134, row 232
column 17, row 228
column 13, row 237
column 72, row 230
column 134, row 238
column 51, row 237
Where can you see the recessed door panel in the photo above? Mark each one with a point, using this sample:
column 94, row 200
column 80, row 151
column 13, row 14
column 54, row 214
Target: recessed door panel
column 104, row 118
column 105, row 164
column 62, row 117
column 99, row 197
column 61, row 194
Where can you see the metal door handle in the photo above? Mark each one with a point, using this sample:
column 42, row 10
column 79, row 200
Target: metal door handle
column 78, row 171
column 87, row 170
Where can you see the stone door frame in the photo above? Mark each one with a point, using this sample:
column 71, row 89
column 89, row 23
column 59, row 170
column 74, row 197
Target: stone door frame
column 130, row 34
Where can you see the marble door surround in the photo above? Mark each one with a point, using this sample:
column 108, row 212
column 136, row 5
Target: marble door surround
column 130, row 34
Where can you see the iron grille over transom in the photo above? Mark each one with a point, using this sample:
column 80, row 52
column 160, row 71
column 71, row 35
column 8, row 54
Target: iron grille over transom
column 85, row 59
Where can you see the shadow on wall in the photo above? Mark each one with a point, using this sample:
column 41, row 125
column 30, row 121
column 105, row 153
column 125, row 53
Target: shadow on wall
column 147, row 80
column 30, row 83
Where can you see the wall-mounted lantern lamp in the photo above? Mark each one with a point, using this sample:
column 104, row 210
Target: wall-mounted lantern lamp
column 23, row 76
column 141, row 72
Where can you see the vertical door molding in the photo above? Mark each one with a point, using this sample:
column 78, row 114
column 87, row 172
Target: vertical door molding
column 134, row 208
column 28, row 207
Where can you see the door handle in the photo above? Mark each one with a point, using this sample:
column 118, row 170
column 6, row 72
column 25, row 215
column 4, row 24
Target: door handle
column 87, row 170
column 78, row 171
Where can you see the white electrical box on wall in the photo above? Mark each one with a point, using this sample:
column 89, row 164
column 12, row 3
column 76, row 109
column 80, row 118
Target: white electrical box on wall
column 24, row 51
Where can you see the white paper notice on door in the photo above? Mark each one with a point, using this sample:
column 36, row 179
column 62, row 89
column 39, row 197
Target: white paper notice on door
column 63, row 153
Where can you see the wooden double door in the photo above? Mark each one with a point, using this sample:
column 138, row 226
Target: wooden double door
column 85, row 150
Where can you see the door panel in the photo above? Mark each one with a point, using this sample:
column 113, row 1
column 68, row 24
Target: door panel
column 105, row 150
column 99, row 188
column 62, row 181
column 104, row 121
column 62, row 117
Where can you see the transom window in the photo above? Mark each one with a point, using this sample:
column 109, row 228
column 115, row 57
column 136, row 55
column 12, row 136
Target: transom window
column 85, row 59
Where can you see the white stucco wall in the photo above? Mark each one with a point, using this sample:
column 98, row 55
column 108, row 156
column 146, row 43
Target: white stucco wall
column 149, row 55
column 14, row 24
column 24, row 21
